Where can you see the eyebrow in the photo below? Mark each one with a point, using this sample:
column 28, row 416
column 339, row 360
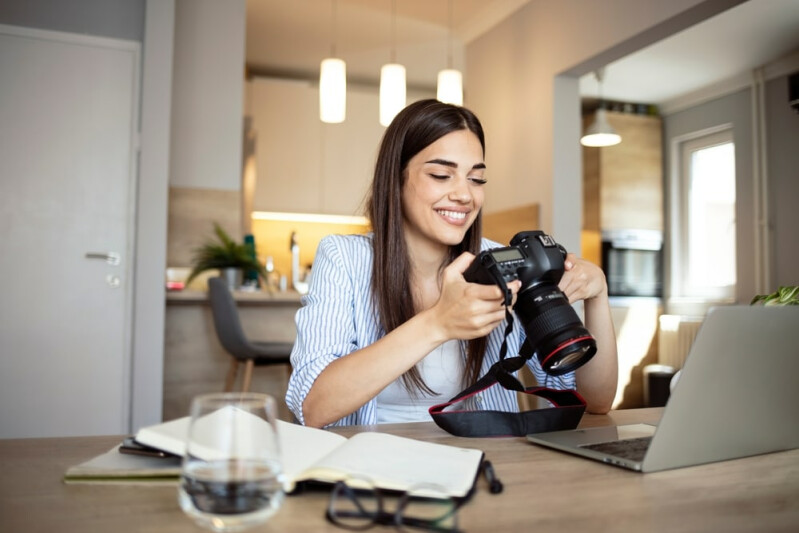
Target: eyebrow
column 452, row 164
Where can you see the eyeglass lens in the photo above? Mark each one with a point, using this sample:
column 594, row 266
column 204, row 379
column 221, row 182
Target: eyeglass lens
column 428, row 511
column 360, row 509
column 354, row 508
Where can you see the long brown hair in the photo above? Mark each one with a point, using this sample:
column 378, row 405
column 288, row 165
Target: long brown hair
column 412, row 130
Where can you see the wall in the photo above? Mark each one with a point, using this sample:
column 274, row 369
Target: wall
column 207, row 94
column 522, row 75
column 120, row 19
column 151, row 243
column 782, row 132
column 207, row 124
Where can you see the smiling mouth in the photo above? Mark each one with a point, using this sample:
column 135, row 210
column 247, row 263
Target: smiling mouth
column 455, row 215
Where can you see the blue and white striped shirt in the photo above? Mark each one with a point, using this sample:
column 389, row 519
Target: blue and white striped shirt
column 338, row 318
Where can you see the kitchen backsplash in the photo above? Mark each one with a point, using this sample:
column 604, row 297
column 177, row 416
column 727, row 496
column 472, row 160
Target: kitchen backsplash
column 192, row 213
column 273, row 238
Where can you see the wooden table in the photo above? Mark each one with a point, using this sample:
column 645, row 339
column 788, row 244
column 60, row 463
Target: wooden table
column 545, row 491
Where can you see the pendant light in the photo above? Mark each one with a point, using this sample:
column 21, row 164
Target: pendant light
column 392, row 80
column 450, row 81
column 600, row 133
column 333, row 81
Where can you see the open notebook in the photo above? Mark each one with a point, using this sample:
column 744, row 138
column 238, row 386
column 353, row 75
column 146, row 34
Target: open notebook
column 311, row 455
column 736, row 397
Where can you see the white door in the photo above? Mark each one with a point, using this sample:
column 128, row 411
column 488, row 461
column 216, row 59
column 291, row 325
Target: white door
column 67, row 182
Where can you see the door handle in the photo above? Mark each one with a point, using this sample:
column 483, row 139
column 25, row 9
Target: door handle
column 112, row 258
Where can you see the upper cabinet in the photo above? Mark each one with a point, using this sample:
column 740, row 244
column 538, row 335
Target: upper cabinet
column 623, row 184
column 304, row 165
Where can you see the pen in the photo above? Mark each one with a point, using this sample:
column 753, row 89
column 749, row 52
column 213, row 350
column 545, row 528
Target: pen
column 494, row 484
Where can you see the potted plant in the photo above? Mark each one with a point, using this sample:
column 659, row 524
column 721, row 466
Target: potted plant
column 227, row 256
column 782, row 296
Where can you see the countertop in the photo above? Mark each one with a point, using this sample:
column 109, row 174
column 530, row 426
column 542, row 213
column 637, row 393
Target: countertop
column 187, row 297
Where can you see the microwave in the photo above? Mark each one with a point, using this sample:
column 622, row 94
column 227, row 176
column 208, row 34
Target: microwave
column 633, row 262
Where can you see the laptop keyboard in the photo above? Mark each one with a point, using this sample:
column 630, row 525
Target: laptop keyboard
column 633, row 449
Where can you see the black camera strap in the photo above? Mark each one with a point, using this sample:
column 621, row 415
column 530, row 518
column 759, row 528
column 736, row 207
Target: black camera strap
column 568, row 405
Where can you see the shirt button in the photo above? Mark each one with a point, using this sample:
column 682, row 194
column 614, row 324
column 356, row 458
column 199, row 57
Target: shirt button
column 478, row 399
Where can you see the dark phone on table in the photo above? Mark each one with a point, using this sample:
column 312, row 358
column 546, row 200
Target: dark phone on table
column 129, row 445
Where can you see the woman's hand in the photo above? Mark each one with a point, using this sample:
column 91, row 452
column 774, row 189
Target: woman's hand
column 582, row 280
column 597, row 380
column 468, row 310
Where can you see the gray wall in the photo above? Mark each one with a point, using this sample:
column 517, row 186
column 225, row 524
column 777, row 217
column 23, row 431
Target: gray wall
column 782, row 131
column 120, row 19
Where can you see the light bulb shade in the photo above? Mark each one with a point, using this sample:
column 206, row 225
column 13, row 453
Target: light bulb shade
column 333, row 90
column 450, row 86
column 392, row 92
column 600, row 133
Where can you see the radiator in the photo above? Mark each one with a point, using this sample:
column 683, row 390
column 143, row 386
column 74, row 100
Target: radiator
column 676, row 334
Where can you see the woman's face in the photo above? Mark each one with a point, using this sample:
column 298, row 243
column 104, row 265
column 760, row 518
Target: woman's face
column 443, row 191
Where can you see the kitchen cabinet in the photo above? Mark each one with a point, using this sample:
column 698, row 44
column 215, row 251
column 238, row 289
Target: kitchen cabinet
column 304, row 165
column 623, row 184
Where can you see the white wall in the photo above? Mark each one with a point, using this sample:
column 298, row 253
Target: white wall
column 147, row 367
column 511, row 84
column 207, row 94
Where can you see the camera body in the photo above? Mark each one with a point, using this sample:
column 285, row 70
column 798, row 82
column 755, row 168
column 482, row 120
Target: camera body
column 532, row 257
column 555, row 333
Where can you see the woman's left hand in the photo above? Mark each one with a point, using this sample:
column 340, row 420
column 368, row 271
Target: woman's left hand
column 582, row 280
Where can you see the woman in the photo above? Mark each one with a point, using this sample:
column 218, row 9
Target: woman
column 390, row 326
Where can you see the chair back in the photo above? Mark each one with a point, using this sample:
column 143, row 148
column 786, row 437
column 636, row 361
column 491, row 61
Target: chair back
column 226, row 320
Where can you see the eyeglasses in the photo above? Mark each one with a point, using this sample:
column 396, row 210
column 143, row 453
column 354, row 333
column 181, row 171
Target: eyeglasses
column 357, row 504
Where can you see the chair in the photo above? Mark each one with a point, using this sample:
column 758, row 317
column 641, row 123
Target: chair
column 235, row 342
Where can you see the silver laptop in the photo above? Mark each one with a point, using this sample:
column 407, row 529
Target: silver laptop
column 736, row 396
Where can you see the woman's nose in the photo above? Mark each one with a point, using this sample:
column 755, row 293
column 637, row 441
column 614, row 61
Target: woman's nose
column 460, row 191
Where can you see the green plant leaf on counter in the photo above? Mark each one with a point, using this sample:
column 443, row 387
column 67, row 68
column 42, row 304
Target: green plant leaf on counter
column 783, row 296
column 222, row 253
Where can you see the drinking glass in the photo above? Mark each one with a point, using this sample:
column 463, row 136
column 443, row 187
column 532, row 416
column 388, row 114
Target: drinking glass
column 231, row 477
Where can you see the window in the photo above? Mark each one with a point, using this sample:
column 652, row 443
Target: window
column 704, row 251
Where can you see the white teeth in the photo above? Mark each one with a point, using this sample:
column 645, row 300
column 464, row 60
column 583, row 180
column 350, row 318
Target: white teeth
column 453, row 214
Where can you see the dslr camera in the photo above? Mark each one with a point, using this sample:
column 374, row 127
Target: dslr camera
column 555, row 334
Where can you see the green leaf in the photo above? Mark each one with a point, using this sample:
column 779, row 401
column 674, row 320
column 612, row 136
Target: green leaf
column 221, row 253
column 782, row 296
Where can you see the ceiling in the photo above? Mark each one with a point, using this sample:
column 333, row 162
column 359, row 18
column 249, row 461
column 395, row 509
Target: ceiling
column 290, row 38
column 722, row 48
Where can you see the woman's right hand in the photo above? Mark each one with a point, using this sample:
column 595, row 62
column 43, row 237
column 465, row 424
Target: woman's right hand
column 468, row 310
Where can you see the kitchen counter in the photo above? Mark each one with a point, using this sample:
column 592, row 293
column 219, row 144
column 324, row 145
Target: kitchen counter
column 242, row 297
column 194, row 361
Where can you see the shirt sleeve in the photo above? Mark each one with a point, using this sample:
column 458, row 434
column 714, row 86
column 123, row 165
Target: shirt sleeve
column 325, row 323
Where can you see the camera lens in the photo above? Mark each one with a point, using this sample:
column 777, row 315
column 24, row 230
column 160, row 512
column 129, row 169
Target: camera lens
column 554, row 331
